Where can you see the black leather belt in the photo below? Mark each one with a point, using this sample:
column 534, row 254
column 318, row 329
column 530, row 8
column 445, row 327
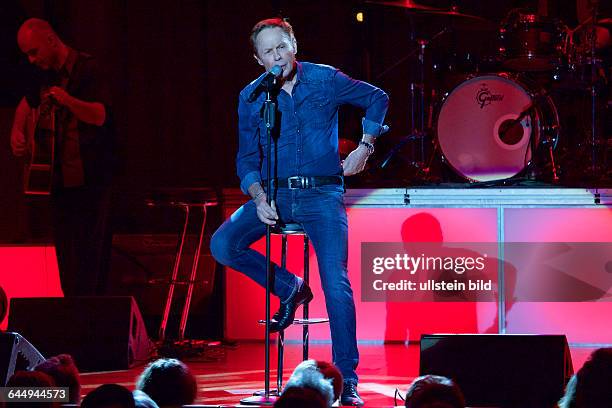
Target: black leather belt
column 308, row 181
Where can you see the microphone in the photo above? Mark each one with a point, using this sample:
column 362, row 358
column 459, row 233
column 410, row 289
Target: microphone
column 266, row 83
column 508, row 124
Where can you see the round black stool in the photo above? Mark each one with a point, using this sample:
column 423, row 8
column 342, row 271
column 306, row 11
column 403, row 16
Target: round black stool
column 284, row 231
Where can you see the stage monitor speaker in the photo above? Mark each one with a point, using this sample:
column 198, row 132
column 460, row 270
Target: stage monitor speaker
column 16, row 353
column 500, row 370
column 100, row 332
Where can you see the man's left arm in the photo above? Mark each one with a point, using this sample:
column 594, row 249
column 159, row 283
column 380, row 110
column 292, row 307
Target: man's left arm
column 93, row 113
column 375, row 103
column 90, row 102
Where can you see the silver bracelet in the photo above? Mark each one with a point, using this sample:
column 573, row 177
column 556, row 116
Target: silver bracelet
column 369, row 146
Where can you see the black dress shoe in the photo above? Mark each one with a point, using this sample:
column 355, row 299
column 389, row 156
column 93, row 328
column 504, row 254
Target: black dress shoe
column 350, row 397
column 286, row 312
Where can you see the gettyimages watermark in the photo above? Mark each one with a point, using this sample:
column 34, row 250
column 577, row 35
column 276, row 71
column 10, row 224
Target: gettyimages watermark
column 428, row 271
column 470, row 272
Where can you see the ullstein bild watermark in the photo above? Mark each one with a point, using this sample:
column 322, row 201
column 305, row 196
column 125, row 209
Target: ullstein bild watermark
column 451, row 272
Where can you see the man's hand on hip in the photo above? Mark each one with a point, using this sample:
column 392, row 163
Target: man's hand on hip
column 355, row 162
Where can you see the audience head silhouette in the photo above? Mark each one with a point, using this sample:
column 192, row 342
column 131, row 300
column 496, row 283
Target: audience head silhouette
column 169, row 382
column 434, row 391
column 65, row 374
column 591, row 386
column 109, row 396
column 301, row 397
column 320, row 376
column 30, row 379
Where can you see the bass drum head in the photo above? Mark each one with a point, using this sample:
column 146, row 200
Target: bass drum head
column 477, row 131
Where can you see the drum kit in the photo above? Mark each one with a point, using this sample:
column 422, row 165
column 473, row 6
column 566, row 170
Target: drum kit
column 503, row 118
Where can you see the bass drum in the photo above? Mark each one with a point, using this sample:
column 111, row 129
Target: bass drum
column 478, row 131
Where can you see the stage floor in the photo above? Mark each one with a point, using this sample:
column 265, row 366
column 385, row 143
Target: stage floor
column 225, row 375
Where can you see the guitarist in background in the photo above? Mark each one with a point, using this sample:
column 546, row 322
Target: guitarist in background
column 71, row 88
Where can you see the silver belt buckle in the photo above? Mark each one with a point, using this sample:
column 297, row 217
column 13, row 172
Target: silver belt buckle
column 301, row 182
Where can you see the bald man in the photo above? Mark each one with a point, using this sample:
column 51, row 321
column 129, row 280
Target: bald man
column 69, row 86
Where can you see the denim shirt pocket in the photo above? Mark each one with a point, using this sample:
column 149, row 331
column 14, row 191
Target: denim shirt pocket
column 319, row 111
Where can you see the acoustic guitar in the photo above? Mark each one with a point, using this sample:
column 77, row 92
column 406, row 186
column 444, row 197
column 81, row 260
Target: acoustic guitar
column 40, row 139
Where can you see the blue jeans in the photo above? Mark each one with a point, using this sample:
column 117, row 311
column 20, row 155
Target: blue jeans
column 322, row 214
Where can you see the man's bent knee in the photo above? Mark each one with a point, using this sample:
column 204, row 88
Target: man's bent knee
column 221, row 248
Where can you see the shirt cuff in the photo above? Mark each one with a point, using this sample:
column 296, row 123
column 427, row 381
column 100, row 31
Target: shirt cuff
column 372, row 128
column 248, row 179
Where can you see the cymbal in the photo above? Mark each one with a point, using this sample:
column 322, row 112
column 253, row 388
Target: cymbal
column 405, row 4
column 464, row 21
column 458, row 20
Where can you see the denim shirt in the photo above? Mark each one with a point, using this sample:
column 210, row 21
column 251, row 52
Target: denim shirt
column 308, row 140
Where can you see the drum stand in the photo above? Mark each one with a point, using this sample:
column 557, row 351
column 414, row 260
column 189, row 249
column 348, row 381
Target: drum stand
column 417, row 96
column 418, row 110
column 545, row 140
column 594, row 136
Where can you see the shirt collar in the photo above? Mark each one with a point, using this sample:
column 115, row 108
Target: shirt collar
column 66, row 69
column 300, row 72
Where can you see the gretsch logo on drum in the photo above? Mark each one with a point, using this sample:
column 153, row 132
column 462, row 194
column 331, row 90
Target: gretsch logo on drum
column 484, row 97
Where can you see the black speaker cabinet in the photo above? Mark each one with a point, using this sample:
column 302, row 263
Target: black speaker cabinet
column 101, row 333
column 142, row 266
column 500, row 370
column 16, row 353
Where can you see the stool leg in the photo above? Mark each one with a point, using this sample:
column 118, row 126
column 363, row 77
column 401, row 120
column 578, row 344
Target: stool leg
column 269, row 283
column 305, row 339
column 192, row 278
column 173, row 278
column 281, row 354
column 284, row 251
column 281, row 334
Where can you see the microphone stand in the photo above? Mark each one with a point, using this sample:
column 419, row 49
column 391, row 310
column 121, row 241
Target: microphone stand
column 269, row 116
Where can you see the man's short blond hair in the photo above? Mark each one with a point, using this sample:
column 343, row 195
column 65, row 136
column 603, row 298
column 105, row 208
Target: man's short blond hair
column 271, row 23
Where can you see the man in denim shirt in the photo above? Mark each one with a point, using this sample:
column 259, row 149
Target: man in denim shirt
column 309, row 179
